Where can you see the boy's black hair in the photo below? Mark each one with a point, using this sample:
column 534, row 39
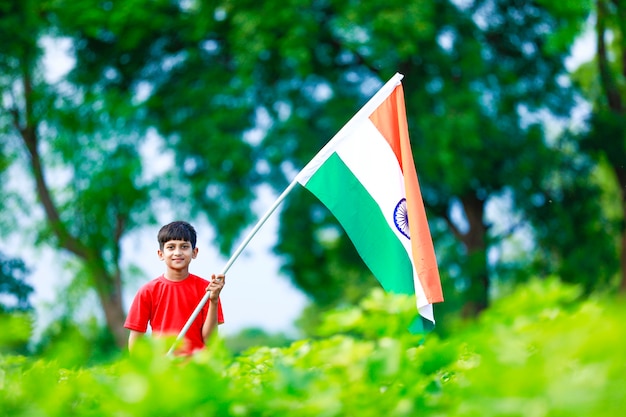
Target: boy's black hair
column 178, row 230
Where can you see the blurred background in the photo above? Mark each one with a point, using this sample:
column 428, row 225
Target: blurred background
column 119, row 116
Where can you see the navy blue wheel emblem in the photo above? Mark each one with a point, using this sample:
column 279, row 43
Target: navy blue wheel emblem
column 401, row 218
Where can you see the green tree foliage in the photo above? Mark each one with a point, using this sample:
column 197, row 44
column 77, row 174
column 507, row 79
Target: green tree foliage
column 543, row 350
column 255, row 337
column 245, row 93
column 169, row 58
column 15, row 306
column 14, row 290
column 79, row 150
column 602, row 82
column 271, row 82
column 475, row 75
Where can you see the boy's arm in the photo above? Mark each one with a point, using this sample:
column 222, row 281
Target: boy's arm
column 210, row 324
column 133, row 336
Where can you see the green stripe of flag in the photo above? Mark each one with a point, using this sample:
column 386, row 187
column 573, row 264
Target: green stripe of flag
column 336, row 187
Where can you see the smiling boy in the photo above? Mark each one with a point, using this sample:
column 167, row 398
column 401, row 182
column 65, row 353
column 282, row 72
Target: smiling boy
column 168, row 301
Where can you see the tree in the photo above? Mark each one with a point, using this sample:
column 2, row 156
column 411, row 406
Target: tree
column 273, row 81
column 473, row 74
column 243, row 94
column 173, row 60
column 81, row 137
column 605, row 139
column 80, row 152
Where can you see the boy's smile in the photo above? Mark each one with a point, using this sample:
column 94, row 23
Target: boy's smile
column 177, row 254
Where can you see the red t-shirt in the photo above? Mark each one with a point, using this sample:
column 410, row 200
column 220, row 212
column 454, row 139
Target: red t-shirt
column 167, row 305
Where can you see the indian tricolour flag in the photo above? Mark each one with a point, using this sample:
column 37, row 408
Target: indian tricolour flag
column 366, row 177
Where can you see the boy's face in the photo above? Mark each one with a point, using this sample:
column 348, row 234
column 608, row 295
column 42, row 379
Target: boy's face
column 177, row 254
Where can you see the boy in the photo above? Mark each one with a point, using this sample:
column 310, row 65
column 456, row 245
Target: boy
column 167, row 302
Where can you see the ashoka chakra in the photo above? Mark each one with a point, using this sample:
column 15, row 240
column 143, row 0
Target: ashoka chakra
column 401, row 218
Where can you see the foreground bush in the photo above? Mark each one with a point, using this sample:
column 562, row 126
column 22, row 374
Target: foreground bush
column 539, row 352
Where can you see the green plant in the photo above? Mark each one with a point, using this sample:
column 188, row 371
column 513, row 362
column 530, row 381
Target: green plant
column 541, row 351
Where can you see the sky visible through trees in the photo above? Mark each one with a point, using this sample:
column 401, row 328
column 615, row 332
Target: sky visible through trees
column 256, row 296
column 203, row 90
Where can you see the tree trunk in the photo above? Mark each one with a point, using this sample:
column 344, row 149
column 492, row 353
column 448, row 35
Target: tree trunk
column 474, row 240
column 621, row 177
column 108, row 286
column 615, row 103
column 109, row 289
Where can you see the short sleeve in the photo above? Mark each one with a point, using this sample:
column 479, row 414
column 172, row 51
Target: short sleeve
column 140, row 311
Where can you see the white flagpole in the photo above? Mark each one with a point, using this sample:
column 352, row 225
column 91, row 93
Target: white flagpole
column 232, row 259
